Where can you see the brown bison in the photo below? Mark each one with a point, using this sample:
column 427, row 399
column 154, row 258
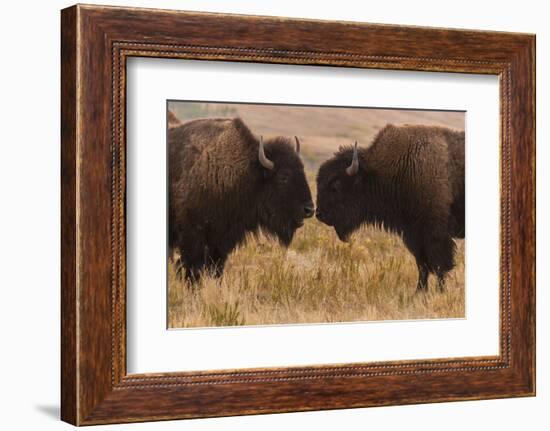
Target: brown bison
column 410, row 181
column 225, row 183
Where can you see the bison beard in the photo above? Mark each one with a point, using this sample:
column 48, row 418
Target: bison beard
column 410, row 181
column 224, row 183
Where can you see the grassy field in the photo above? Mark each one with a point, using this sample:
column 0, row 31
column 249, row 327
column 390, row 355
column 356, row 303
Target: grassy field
column 318, row 278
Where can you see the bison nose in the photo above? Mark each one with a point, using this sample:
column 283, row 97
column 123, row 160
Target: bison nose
column 309, row 211
column 319, row 214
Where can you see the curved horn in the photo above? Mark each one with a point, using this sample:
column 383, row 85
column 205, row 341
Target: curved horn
column 265, row 162
column 297, row 145
column 353, row 168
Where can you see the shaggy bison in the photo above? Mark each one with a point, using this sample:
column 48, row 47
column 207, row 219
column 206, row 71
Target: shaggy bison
column 225, row 183
column 410, row 181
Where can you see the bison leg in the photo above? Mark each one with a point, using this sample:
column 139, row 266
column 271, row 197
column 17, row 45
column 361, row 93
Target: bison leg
column 194, row 260
column 423, row 273
column 217, row 263
column 441, row 255
column 415, row 247
column 188, row 270
column 433, row 254
column 193, row 268
column 180, row 269
column 210, row 261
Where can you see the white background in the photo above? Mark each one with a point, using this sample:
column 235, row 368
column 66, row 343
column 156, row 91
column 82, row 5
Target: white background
column 29, row 225
column 151, row 348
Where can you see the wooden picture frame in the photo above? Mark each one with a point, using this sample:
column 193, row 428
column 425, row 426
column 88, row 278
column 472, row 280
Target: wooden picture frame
column 95, row 43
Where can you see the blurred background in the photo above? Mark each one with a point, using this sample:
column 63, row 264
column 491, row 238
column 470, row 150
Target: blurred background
column 322, row 130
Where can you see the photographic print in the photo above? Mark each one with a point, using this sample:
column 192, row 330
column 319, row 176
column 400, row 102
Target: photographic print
column 286, row 214
column 257, row 224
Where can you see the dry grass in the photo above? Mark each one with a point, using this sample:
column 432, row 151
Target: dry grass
column 319, row 278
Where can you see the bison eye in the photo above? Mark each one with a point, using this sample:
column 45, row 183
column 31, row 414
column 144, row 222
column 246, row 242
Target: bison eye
column 283, row 178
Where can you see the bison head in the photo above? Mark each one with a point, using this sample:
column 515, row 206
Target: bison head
column 341, row 189
column 284, row 196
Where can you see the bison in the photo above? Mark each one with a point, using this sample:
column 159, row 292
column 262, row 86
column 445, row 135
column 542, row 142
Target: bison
column 225, row 183
column 410, row 182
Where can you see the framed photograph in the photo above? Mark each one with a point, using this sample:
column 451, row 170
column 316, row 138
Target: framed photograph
column 264, row 215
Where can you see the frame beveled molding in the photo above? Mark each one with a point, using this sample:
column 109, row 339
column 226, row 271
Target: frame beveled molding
column 96, row 42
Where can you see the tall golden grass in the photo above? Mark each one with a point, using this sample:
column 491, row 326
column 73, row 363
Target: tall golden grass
column 318, row 279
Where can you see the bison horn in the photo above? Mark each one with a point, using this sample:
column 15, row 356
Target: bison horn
column 265, row 162
column 297, row 145
column 353, row 168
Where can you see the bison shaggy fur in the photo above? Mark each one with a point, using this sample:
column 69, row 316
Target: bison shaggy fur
column 219, row 191
column 410, row 181
column 173, row 121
